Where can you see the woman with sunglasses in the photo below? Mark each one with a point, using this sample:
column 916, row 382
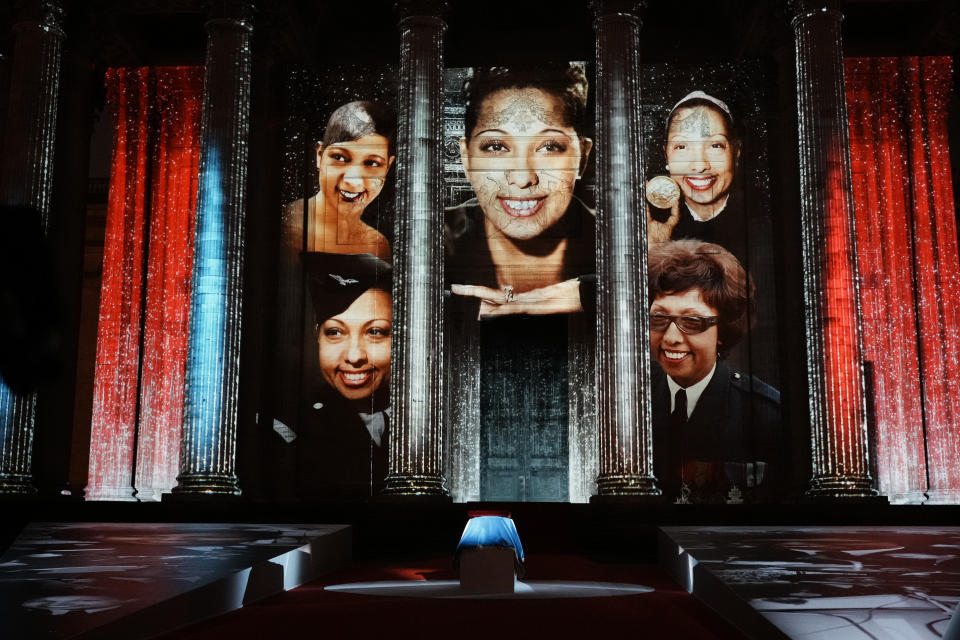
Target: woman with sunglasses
column 715, row 429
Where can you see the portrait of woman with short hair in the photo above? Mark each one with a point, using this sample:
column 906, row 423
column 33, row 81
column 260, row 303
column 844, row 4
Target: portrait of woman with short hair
column 715, row 428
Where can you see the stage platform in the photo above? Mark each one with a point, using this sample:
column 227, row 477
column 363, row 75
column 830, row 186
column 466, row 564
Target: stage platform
column 122, row 580
column 821, row 583
column 75, row 569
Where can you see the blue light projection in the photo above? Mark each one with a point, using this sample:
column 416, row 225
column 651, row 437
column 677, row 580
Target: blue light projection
column 208, row 316
column 7, row 399
column 16, row 440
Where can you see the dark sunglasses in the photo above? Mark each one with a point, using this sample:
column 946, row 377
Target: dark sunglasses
column 690, row 325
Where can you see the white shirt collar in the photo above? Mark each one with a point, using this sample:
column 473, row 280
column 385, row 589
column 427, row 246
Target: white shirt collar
column 376, row 424
column 694, row 391
column 713, row 215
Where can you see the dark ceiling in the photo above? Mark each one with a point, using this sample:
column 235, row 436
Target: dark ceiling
column 153, row 32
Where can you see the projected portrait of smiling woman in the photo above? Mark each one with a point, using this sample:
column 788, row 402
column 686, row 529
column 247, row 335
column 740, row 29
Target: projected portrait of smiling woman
column 353, row 160
column 702, row 151
column 521, row 243
column 716, row 429
column 345, row 439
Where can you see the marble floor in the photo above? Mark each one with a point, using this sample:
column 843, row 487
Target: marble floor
column 115, row 580
column 822, row 583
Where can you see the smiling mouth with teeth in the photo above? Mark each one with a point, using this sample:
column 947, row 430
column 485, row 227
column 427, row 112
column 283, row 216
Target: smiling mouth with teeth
column 350, row 196
column 700, row 183
column 522, row 207
column 675, row 355
column 355, row 378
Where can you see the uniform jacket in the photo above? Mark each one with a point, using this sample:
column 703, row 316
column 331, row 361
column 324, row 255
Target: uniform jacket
column 338, row 459
column 733, row 437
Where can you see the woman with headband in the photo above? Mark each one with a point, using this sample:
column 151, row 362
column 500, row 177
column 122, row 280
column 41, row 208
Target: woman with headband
column 702, row 151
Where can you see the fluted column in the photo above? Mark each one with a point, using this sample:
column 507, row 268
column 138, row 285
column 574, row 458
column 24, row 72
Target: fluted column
column 623, row 336
column 832, row 321
column 27, row 179
column 416, row 385
column 208, row 450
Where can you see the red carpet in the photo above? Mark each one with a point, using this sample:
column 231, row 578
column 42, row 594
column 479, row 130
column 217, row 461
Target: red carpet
column 309, row 611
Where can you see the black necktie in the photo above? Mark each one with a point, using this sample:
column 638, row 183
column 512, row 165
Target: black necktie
column 678, row 420
column 679, row 416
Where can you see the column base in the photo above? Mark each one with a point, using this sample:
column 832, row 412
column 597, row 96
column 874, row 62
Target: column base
column 20, row 484
column 626, row 485
column 211, row 484
column 414, row 485
column 644, row 499
column 409, row 498
column 842, row 487
column 109, row 493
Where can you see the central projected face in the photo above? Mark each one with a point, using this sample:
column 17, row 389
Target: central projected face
column 522, row 159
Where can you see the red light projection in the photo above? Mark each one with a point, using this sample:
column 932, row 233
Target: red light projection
column 145, row 296
column 908, row 260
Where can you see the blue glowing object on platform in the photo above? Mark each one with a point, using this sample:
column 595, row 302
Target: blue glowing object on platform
column 491, row 531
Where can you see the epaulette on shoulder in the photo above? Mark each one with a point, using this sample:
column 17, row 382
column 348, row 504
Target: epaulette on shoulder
column 753, row 384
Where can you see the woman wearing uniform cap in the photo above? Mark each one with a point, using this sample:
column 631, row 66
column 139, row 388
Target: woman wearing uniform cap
column 714, row 428
column 348, row 422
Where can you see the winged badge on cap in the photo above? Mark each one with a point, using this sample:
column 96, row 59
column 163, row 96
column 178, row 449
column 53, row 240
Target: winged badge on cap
column 343, row 281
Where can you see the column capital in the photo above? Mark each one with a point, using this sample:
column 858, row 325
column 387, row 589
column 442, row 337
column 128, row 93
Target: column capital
column 802, row 10
column 422, row 11
column 236, row 13
column 46, row 15
column 628, row 10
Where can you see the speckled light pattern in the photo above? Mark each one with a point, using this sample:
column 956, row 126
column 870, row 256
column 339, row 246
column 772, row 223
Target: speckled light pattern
column 830, row 285
column 623, row 377
column 27, row 174
column 416, row 384
column 208, row 450
column 141, row 351
column 113, row 428
column 910, row 280
column 169, row 270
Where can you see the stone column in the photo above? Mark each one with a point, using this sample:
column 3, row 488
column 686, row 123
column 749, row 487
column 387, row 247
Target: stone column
column 416, row 385
column 832, row 321
column 623, row 332
column 208, row 450
column 26, row 178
